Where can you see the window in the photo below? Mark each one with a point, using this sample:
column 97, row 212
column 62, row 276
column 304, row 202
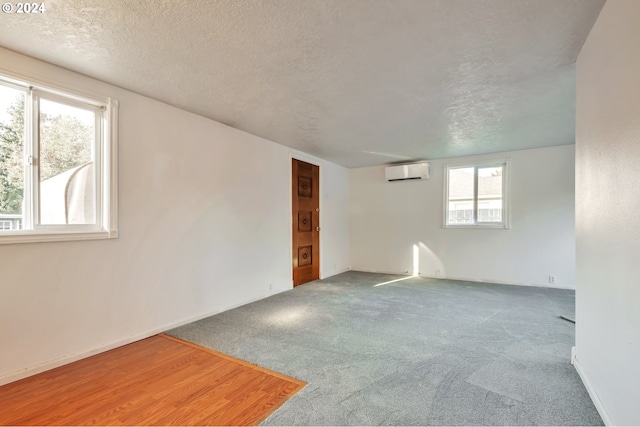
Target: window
column 476, row 195
column 58, row 156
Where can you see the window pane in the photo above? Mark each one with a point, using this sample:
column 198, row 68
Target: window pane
column 490, row 194
column 67, row 181
column 461, row 185
column 12, row 102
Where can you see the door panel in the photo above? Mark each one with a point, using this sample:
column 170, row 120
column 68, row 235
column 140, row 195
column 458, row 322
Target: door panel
column 306, row 222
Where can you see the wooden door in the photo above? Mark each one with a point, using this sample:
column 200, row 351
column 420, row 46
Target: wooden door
column 306, row 222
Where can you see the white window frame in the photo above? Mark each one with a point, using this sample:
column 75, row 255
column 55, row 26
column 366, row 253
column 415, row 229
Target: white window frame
column 506, row 173
column 106, row 163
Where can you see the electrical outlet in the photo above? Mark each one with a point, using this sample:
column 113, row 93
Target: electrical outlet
column 438, row 273
column 270, row 287
column 552, row 279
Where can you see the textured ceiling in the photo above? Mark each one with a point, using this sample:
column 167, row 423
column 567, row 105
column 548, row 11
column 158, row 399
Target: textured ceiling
column 356, row 82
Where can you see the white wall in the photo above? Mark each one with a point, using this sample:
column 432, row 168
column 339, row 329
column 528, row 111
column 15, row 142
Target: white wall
column 204, row 226
column 388, row 218
column 608, row 213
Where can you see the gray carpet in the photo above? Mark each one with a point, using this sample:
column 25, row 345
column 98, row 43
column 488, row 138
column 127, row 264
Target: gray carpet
column 413, row 352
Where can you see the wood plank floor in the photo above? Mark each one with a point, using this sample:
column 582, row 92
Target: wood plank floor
column 157, row 381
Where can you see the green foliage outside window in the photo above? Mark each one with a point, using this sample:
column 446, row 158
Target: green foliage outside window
column 65, row 143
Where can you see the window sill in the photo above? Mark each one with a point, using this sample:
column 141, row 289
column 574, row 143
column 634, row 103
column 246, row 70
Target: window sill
column 480, row 226
column 40, row 237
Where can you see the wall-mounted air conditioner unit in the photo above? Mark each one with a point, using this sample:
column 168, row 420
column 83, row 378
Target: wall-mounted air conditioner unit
column 407, row 172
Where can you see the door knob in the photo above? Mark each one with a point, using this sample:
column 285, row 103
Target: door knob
column 317, row 228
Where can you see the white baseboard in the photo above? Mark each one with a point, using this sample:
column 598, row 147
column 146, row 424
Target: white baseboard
column 64, row 360
column 344, row 270
column 46, row 366
column 468, row 279
column 592, row 393
column 396, row 273
column 500, row 282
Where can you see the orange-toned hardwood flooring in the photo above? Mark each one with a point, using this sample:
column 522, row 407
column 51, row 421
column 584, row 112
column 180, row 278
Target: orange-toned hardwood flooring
column 157, row 381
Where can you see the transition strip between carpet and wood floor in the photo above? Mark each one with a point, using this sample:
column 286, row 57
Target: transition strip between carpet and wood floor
column 160, row 380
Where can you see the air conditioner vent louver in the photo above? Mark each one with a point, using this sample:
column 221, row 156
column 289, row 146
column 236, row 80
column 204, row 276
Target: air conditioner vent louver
column 407, row 172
